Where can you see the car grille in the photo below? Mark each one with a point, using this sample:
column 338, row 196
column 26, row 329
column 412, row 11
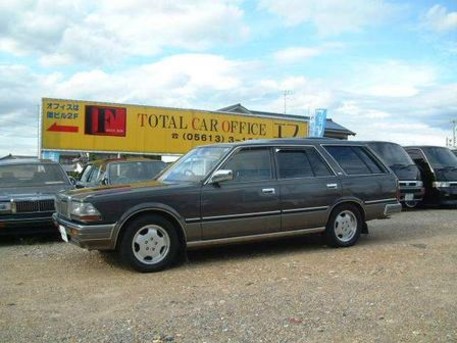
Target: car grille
column 24, row 206
column 410, row 183
column 62, row 206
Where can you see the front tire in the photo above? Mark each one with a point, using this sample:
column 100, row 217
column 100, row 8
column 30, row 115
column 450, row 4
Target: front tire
column 150, row 244
column 344, row 226
column 411, row 204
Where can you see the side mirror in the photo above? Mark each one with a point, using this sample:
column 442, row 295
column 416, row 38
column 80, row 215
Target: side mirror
column 222, row 175
column 79, row 184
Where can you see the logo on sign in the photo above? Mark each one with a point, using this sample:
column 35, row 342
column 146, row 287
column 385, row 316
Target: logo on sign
column 105, row 121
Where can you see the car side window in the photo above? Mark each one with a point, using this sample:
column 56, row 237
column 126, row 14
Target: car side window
column 303, row 162
column 250, row 165
column 94, row 174
column 86, row 173
column 419, row 159
column 355, row 160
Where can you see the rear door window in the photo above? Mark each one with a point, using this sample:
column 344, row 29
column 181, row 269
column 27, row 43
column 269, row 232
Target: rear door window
column 355, row 160
column 301, row 162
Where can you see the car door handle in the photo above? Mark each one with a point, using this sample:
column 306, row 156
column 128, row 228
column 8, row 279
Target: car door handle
column 332, row 185
column 268, row 191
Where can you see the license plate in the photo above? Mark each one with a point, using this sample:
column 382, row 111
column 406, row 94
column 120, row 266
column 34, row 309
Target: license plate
column 63, row 233
column 409, row 196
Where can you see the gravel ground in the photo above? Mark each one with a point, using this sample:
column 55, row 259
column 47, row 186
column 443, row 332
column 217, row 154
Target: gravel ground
column 398, row 284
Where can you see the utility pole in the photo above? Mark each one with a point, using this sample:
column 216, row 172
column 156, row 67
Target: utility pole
column 454, row 129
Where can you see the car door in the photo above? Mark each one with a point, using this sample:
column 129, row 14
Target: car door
column 308, row 187
column 246, row 205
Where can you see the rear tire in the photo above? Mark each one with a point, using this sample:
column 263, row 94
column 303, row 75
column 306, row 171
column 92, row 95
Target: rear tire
column 344, row 226
column 150, row 244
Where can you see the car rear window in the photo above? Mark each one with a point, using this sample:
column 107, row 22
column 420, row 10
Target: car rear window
column 31, row 175
column 355, row 160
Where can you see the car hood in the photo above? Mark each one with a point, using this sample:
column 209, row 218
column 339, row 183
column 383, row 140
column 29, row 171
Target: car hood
column 446, row 174
column 113, row 190
column 31, row 192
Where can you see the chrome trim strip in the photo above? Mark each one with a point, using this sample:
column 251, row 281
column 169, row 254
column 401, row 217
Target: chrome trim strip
column 198, row 244
column 81, row 227
column 242, row 215
column 306, row 209
column 255, row 214
column 410, row 183
column 379, row 201
column 192, row 220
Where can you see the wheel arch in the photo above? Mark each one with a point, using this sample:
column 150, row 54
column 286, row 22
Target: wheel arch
column 168, row 214
column 354, row 202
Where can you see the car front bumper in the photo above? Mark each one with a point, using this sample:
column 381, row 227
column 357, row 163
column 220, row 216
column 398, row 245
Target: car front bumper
column 99, row 237
column 446, row 196
column 411, row 194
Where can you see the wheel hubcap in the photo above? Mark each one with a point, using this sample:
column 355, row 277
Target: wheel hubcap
column 345, row 226
column 151, row 244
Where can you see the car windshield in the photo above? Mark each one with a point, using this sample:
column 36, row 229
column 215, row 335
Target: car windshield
column 392, row 154
column 27, row 175
column 195, row 165
column 135, row 171
column 441, row 158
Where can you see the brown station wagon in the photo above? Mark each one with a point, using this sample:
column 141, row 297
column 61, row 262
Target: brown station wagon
column 228, row 193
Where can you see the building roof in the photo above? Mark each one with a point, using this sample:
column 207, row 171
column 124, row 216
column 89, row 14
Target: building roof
column 332, row 129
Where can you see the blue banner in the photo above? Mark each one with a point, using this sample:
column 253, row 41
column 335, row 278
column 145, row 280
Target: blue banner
column 317, row 124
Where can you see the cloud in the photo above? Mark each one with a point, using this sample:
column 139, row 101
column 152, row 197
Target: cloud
column 439, row 19
column 298, row 54
column 107, row 32
column 330, row 17
column 391, row 78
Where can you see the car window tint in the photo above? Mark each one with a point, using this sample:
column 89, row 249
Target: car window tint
column 416, row 155
column 250, row 165
column 368, row 159
column 303, row 162
column 354, row 160
column 319, row 166
column 93, row 176
column 293, row 163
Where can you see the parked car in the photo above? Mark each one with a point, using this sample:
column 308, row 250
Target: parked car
column 438, row 167
column 27, row 193
column 236, row 192
column 411, row 185
column 119, row 171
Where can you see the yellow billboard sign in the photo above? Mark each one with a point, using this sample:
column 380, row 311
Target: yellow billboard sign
column 104, row 127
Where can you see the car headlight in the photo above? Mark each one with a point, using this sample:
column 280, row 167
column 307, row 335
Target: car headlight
column 5, row 207
column 441, row 184
column 84, row 212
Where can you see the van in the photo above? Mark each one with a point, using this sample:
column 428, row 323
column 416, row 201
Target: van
column 438, row 168
column 409, row 177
